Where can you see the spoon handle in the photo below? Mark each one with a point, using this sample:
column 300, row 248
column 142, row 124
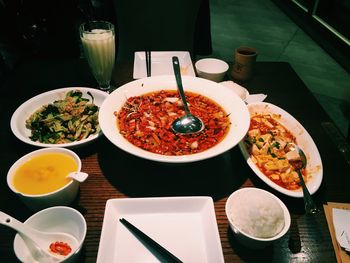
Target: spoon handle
column 177, row 72
column 310, row 206
column 13, row 223
column 78, row 176
column 27, row 234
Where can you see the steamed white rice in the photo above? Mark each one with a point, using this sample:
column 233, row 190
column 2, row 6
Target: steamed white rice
column 257, row 214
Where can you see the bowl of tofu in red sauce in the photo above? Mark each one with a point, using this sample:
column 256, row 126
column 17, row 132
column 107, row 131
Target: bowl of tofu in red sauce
column 265, row 148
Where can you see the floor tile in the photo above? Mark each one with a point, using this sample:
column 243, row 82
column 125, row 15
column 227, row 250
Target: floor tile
column 261, row 24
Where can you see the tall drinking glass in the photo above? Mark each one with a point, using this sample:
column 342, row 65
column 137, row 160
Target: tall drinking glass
column 98, row 41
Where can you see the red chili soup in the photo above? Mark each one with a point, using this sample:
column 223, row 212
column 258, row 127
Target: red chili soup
column 146, row 120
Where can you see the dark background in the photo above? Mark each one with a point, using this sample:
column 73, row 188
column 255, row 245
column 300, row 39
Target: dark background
column 49, row 29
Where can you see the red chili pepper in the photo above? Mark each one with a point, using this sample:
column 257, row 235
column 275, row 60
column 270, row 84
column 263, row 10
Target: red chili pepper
column 60, row 248
column 141, row 110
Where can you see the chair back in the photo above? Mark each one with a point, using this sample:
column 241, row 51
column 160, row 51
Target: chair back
column 159, row 25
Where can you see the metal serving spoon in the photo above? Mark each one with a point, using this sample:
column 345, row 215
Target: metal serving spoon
column 188, row 123
column 310, row 206
column 39, row 244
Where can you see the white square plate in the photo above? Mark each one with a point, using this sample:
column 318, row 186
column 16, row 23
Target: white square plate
column 186, row 226
column 161, row 63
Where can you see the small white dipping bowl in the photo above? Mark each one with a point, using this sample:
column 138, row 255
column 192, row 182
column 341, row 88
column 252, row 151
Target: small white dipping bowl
column 248, row 196
column 62, row 196
column 54, row 219
column 211, row 68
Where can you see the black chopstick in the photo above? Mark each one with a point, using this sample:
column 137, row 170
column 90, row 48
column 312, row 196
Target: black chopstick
column 161, row 253
column 148, row 62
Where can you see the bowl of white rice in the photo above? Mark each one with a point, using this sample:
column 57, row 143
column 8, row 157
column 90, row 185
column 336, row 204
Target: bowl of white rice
column 257, row 217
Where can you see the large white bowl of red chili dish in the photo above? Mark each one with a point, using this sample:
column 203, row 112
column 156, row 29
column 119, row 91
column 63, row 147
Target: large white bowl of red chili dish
column 266, row 149
column 137, row 117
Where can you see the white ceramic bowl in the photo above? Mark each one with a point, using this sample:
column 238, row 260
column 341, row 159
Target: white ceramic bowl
column 63, row 196
column 211, row 68
column 231, row 103
column 23, row 112
column 242, row 196
column 54, row 219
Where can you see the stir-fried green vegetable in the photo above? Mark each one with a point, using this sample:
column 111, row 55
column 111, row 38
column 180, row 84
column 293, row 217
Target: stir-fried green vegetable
column 71, row 119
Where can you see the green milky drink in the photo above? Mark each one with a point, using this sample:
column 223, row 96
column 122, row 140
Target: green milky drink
column 98, row 41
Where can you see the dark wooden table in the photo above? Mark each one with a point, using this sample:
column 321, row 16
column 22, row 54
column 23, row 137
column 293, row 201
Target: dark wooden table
column 116, row 174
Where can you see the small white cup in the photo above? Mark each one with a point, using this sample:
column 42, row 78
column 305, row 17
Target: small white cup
column 211, row 68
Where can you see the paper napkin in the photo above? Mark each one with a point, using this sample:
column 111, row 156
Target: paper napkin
column 341, row 254
column 255, row 98
column 341, row 221
column 243, row 93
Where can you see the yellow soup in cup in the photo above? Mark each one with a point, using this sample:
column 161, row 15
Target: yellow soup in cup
column 44, row 173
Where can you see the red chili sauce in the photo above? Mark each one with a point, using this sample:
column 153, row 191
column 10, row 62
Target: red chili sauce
column 146, row 120
column 267, row 124
column 60, row 248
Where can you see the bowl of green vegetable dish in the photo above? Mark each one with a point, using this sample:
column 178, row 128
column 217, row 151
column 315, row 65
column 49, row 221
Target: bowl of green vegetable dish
column 66, row 117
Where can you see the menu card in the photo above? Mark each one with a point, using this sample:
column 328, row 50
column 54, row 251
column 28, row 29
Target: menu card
column 341, row 254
